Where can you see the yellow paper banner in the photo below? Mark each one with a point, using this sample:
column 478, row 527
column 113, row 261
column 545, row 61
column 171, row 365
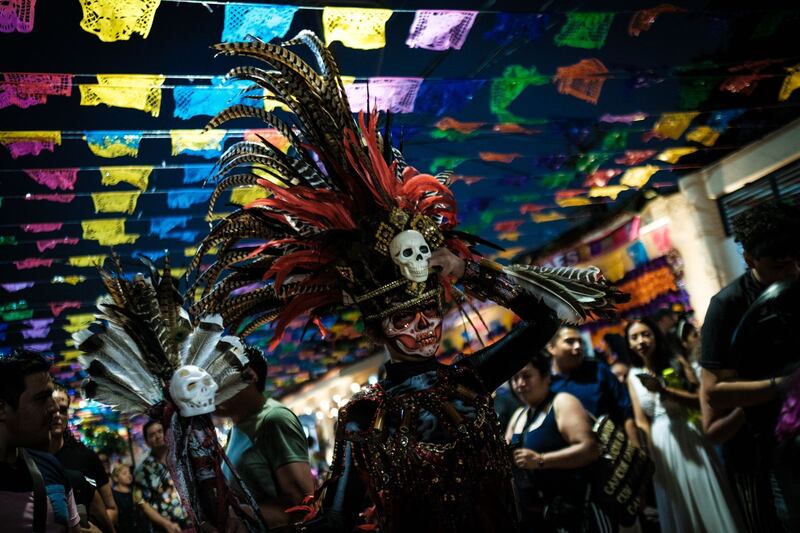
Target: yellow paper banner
column 86, row 260
column 703, row 135
column 78, row 322
column 637, row 177
column 71, row 280
column 21, row 136
column 245, row 195
column 112, row 20
column 672, row 125
column 673, row 155
column 573, row 201
column 70, row 355
column 356, row 27
column 115, row 202
column 136, row 176
column 790, row 83
column 552, row 216
column 135, row 91
column 107, row 232
column 196, row 140
column 609, row 191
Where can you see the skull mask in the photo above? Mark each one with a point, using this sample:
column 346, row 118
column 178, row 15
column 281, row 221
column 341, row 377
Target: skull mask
column 411, row 253
column 192, row 389
column 414, row 333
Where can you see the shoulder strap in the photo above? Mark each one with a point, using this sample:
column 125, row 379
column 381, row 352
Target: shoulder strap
column 39, row 493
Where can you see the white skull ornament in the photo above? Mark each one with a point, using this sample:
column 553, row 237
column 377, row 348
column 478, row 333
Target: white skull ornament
column 193, row 389
column 411, row 253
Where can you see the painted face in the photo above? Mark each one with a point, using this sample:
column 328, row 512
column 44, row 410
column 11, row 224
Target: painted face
column 414, row 333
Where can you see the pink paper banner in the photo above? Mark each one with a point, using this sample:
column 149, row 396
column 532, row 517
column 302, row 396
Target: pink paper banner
column 28, row 89
column 59, row 198
column 49, row 244
column 14, row 287
column 33, row 262
column 396, row 95
column 42, row 228
column 62, row 179
column 440, row 30
column 16, row 15
column 20, row 148
column 58, row 307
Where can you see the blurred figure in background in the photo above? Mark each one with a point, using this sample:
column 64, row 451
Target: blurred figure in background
column 130, row 516
column 154, row 490
column 90, row 481
column 691, row 491
column 591, row 382
column 751, row 378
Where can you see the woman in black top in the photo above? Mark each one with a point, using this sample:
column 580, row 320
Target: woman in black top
column 554, row 442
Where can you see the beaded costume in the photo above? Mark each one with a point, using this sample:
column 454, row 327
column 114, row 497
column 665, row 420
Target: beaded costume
column 345, row 221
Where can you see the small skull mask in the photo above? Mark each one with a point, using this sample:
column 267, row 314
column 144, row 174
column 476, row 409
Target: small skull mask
column 193, row 389
column 411, row 253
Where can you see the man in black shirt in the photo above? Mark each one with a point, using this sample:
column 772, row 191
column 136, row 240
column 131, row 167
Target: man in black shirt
column 82, row 466
column 740, row 393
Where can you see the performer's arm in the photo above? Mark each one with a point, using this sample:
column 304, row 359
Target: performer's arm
column 497, row 363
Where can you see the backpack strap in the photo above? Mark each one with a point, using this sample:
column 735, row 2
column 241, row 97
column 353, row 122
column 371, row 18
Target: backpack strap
column 39, row 493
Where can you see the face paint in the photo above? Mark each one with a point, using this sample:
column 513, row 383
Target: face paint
column 414, row 333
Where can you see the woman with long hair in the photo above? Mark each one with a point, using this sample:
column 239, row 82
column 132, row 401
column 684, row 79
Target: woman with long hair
column 691, row 492
column 553, row 442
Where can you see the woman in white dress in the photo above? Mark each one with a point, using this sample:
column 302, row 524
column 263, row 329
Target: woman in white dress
column 692, row 494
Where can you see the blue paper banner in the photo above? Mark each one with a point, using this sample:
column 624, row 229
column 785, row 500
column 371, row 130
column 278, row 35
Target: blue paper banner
column 185, row 198
column 517, row 27
column 196, row 173
column 208, row 100
column 445, row 97
column 163, row 225
column 265, row 22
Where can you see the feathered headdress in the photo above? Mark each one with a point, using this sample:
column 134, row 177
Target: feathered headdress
column 344, row 220
column 144, row 356
column 143, row 335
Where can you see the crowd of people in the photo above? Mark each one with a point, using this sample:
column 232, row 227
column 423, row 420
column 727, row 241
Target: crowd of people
column 701, row 403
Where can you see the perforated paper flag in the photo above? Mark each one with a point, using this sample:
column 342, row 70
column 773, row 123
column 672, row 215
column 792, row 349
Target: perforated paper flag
column 509, row 86
column 112, row 20
column 17, row 15
column 134, row 91
column 25, row 89
column 356, row 27
column 671, row 125
column 111, row 144
column 582, row 80
column 108, row 232
column 637, row 177
column 440, row 29
column 115, row 202
column 585, row 30
column 263, row 22
column 703, row 135
column 21, row 143
column 86, row 260
column 673, row 155
column 136, row 176
column 396, row 95
column 790, row 83
column 207, row 144
column 62, row 179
